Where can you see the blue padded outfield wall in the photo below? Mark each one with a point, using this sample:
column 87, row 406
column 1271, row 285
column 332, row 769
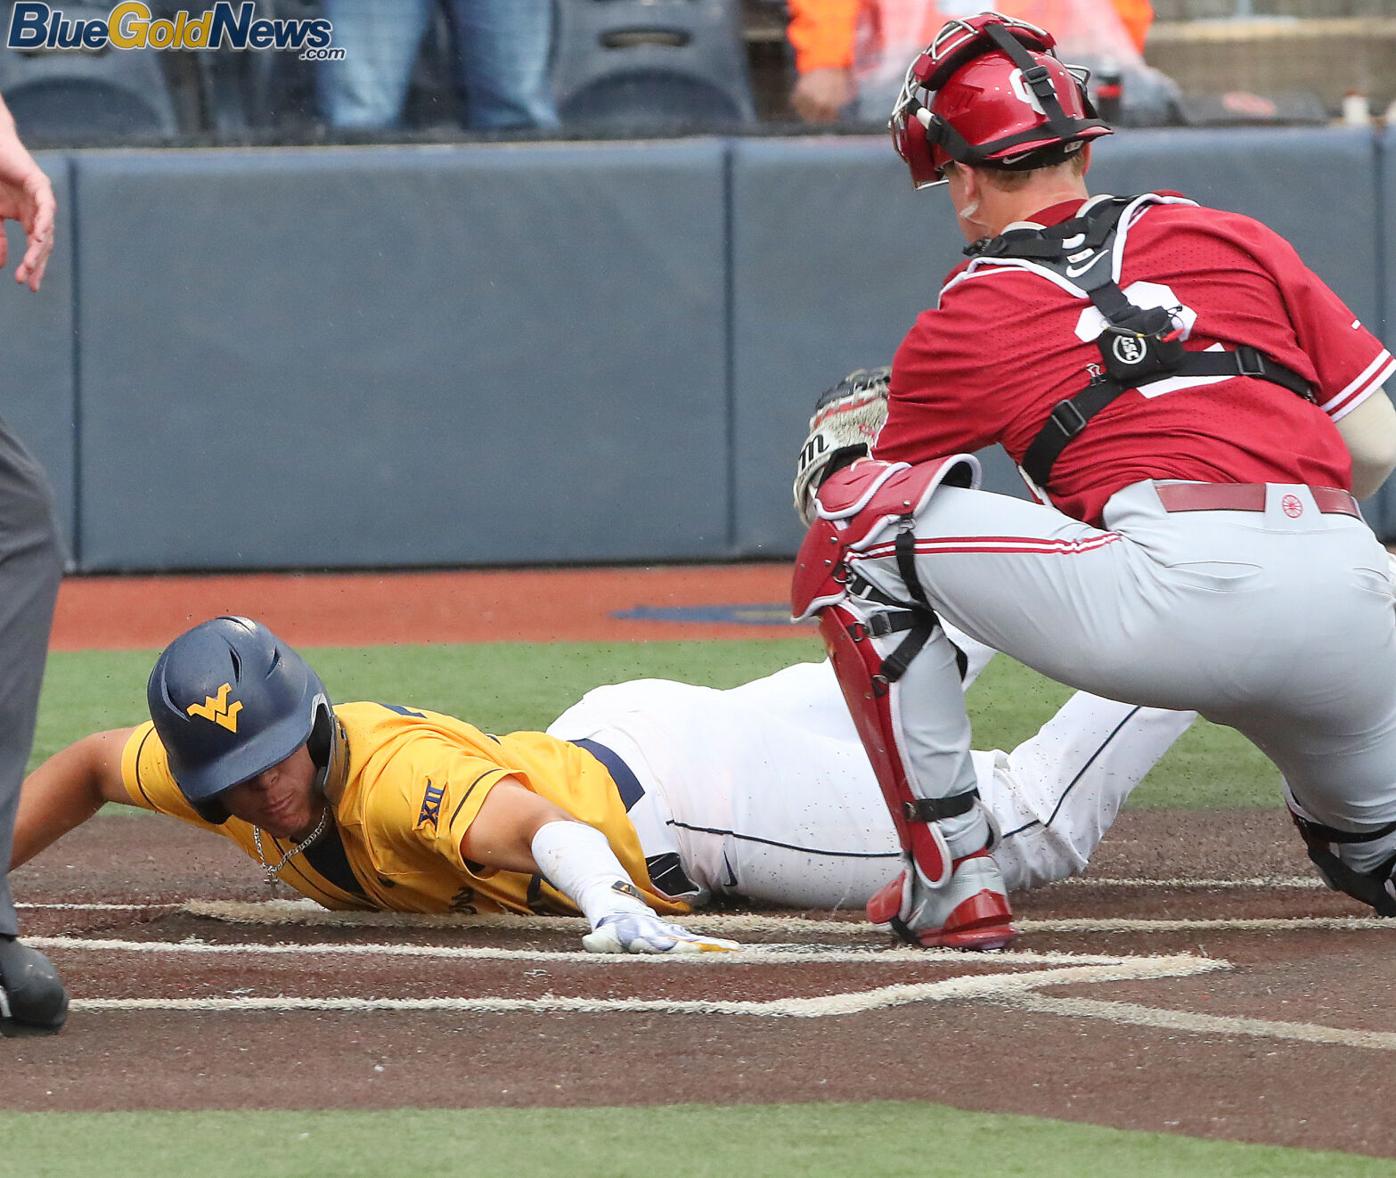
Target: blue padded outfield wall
column 525, row 353
column 391, row 356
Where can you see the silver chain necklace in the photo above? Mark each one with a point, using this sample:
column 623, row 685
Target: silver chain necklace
column 271, row 873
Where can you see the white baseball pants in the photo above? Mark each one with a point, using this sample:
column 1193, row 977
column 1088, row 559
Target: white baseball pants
column 765, row 792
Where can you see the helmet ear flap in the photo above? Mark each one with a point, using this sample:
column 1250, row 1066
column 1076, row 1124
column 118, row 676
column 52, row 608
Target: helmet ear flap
column 917, row 134
column 321, row 742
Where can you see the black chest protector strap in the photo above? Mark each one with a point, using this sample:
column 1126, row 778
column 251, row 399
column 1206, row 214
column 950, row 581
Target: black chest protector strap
column 1139, row 345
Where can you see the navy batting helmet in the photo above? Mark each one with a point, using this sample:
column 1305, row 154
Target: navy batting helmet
column 229, row 699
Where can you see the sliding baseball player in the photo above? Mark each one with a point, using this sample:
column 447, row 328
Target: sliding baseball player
column 643, row 801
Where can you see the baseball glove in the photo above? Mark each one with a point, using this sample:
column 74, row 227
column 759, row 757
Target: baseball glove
column 847, row 419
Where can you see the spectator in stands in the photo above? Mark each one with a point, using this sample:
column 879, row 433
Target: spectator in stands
column 842, row 47
column 501, row 50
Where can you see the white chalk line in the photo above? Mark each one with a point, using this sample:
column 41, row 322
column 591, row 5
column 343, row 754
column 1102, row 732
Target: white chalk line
column 1304, row 883
column 999, row 986
column 746, row 955
column 1018, row 990
column 1131, row 1014
column 305, row 913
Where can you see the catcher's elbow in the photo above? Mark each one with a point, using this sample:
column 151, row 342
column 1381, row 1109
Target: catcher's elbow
column 1372, row 471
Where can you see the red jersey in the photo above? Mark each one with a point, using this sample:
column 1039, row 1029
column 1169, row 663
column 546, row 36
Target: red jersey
column 1005, row 345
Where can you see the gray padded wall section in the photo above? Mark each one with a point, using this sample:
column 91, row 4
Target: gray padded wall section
column 415, row 356
column 1380, row 510
column 834, row 254
column 37, row 394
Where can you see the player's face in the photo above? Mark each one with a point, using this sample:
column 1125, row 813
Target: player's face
column 281, row 800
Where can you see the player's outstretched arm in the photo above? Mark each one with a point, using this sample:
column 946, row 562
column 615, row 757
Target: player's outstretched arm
column 67, row 789
column 517, row 830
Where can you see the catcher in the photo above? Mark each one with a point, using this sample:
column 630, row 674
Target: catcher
column 641, row 802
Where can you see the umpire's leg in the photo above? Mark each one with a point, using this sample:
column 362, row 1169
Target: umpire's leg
column 30, row 567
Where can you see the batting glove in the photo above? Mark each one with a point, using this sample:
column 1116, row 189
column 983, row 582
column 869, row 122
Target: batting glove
column 636, row 932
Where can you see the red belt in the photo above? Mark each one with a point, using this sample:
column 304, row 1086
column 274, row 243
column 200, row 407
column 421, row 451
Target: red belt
column 1246, row 497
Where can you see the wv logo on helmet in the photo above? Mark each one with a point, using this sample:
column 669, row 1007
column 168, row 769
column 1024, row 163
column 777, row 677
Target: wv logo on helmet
column 219, row 710
column 132, row 25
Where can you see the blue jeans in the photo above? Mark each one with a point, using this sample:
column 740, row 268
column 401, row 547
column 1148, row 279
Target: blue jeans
column 502, row 50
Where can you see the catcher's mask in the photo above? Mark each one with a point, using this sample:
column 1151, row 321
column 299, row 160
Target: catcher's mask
column 229, row 700
column 990, row 91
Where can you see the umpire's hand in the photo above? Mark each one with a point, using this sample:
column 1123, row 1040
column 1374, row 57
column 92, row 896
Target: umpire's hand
column 26, row 196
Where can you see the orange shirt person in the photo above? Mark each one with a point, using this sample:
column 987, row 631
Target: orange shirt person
column 837, row 40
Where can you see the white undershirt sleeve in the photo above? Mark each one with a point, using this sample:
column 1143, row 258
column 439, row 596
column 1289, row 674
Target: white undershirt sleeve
column 578, row 861
column 1369, row 432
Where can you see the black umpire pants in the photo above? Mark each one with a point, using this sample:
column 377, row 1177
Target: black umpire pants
column 31, row 564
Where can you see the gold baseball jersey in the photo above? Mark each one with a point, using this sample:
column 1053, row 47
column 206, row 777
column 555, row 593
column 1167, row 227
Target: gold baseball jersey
column 414, row 782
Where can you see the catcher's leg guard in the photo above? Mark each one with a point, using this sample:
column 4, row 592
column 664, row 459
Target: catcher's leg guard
column 1375, row 887
column 951, row 892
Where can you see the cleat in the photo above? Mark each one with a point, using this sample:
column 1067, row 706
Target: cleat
column 32, row 998
column 970, row 912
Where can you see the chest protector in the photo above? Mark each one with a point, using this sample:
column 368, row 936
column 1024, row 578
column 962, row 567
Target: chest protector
column 1139, row 345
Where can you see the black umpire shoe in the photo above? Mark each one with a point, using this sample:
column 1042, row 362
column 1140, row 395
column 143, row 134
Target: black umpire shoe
column 32, row 998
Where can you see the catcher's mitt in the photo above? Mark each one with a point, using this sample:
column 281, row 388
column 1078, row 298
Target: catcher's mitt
column 847, row 419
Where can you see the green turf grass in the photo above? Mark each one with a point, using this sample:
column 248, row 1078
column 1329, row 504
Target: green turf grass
column 508, row 686
column 675, row 1141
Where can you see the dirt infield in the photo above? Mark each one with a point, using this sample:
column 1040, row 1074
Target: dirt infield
column 1270, row 1023
column 1198, row 983
column 369, row 609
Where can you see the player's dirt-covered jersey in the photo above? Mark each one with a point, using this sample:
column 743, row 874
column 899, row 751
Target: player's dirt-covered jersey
column 1004, row 346
column 415, row 781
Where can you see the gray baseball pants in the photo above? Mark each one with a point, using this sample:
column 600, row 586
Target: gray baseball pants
column 1277, row 621
column 31, row 563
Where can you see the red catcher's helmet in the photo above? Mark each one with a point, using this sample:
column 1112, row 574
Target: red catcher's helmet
column 990, row 90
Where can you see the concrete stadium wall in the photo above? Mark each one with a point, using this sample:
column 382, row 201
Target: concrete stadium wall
column 516, row 354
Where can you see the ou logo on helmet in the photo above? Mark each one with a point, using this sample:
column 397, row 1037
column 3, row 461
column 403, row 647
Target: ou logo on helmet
column 1023, row 94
